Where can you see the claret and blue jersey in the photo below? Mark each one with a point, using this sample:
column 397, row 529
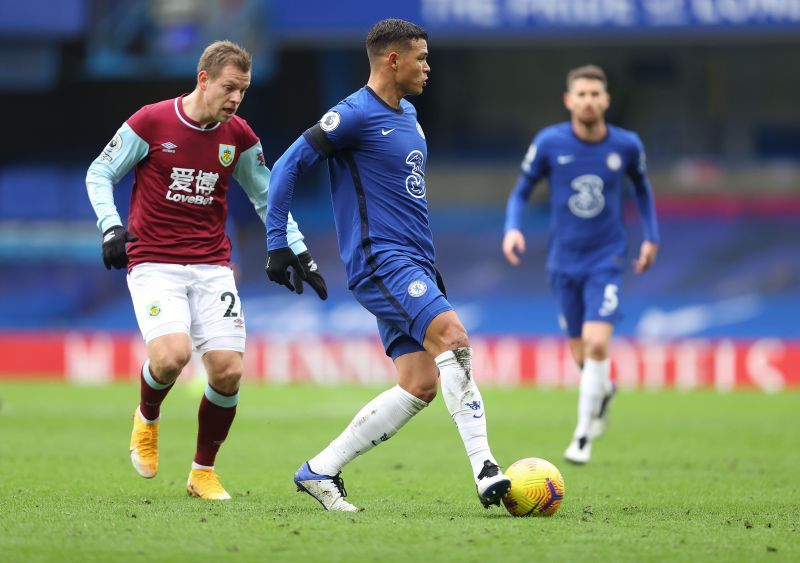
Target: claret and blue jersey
column 376, row 157
column 586, row 187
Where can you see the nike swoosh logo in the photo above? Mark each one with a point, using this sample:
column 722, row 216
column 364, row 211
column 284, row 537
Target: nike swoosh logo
column 565, row 158
column 385, row 132
column 478, row 416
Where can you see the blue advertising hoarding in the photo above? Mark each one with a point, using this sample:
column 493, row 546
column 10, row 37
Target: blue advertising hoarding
column 322, row 19
column 33, row 19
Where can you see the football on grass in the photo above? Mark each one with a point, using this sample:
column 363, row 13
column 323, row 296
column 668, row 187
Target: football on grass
column 537, row 488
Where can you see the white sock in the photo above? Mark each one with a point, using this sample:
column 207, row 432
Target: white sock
column 198, row 466
column 146, row 420
column 464, row 401
column 376, row 422
column 594, row 375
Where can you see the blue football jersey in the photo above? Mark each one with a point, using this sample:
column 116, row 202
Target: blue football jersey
column 376, row 158
column 586, row 180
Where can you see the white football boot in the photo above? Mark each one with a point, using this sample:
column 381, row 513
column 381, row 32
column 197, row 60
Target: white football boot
column 327, row 489
column 492, row 484
column 579, row 450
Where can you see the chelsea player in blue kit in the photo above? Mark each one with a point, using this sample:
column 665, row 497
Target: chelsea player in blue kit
column 376, row 153
column 586, row 161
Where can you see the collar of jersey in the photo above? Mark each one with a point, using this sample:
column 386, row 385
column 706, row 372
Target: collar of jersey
column 387, row 106
column 188, row 121
column 590, row 143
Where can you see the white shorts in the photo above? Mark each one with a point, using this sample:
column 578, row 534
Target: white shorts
column 196, row 299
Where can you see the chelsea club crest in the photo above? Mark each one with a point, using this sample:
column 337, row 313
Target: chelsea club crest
column 417, row 288
column 614, row 161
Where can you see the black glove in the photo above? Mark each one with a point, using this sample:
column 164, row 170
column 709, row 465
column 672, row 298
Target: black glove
column 114, row 252
column 311, row 275
column 304, row 268
column 278, row 263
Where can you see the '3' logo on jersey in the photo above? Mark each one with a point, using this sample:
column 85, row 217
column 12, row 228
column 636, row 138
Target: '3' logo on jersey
column 415, row 182
column 589, row 201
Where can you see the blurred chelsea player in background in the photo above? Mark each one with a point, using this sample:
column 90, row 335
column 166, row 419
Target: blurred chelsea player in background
column 377, row 153
column 586, row 161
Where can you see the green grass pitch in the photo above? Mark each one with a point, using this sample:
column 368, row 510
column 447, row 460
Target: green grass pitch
column 681, row 476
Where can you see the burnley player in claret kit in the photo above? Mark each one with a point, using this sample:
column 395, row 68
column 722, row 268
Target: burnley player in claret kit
column 376, row 153
column 184, row 151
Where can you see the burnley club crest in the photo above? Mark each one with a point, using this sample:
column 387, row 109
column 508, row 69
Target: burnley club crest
column 226, row 154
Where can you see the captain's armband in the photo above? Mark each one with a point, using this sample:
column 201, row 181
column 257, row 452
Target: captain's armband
column 319, row 141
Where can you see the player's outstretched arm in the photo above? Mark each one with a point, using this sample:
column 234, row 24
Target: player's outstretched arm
column 645, row 201
column 514, row 240
column 513, row 243
column 124, row 150
column 284, row 253
column 253, row 176
column 296, row 160
column 533, row 168
column 647, row 256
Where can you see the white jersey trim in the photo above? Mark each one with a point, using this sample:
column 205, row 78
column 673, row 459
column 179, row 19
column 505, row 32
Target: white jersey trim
column 195, row 127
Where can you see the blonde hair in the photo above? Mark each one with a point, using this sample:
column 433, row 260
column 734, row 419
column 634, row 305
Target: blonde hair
column 220, row 54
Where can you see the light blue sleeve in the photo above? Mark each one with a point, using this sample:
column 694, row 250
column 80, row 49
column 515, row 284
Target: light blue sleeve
column 253, row 175
column 121, row 154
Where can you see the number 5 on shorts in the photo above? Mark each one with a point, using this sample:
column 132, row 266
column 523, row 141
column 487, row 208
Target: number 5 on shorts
column 610, row 300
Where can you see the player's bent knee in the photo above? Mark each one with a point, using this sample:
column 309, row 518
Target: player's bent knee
column 168, row 355
column 225, row 377
column 168, row 366
column 455, row 338
column 449, row 337
column 596, row 350
column 228, row 382
column 426, row 394
column 445, row 333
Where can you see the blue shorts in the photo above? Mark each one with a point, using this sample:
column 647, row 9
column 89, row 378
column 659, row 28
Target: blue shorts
column 592, row 296
column 405, row 297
